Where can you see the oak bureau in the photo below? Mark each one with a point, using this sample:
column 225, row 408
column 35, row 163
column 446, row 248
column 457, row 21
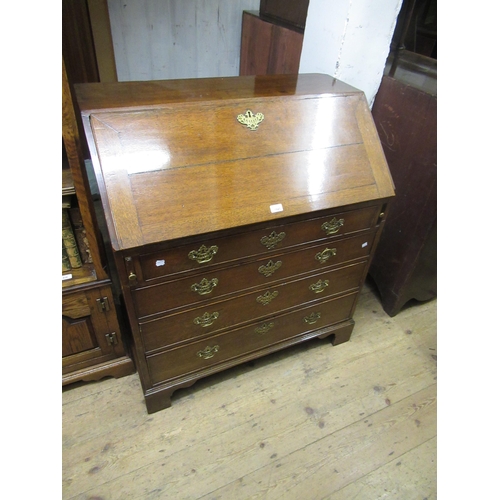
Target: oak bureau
column 242, row 212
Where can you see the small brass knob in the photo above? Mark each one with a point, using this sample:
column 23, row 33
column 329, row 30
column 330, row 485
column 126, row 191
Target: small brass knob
column 132, row 278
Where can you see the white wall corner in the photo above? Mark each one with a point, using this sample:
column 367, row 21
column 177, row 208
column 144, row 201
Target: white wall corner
column 350, row 40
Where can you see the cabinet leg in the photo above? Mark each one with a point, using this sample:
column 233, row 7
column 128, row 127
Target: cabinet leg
column 158, row 401
column 343, row 334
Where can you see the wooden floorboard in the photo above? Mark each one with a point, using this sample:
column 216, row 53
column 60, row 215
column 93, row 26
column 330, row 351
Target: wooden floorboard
column 312, row 422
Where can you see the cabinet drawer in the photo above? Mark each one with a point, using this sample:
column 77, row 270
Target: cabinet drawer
column 219, row 348
column 269, row 241
column 217, row 316
column 156, row 299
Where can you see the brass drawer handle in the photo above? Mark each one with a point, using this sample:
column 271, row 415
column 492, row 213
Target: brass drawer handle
column 272, row 240
column 333, row 226
column 266, row 298
column 203, row 254
column 312, row 318
column 250, row 120
column 206, row 319
column 270, row 268
column 208, row 352
column 264, row 328
column 205, row 286
column 319, row 286
column 323, row 256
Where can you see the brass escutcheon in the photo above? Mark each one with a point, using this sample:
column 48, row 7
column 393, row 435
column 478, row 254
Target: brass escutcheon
column 206, row 319
column 333, row 226
column 266, row 298
column 312, row 318
column 264, row 328
column 205, row 286
column 325, row 254
column 272, row 240
column 203, row 254
column 250, row 120
column 208, row 352
column 319, row 286
column 270, row 268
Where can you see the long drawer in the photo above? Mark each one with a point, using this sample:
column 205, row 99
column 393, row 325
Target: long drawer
column 217, row 316
column 219, row 348
column 156, row 299
column 268, row 241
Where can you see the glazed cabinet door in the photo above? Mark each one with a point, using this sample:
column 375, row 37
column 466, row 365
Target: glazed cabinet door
column 90, row 331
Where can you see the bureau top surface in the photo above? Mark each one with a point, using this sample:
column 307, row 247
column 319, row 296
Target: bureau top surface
column 178, row 158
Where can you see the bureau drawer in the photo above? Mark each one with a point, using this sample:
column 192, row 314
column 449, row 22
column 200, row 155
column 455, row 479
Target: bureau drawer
column 269, row 241
column 206, row 320
column 156, row 299
column 219, row 348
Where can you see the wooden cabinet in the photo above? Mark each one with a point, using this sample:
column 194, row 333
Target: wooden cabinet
column 243, row 214
column 405, row 266
column 92, row 344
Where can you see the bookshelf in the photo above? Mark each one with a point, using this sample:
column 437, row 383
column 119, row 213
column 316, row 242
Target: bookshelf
column 92, row 342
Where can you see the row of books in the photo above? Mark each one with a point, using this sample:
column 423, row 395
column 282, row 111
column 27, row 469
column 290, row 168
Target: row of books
column 75, row 246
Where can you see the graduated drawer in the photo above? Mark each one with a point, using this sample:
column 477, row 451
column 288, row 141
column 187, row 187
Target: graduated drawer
column 214, row 317
column 225, row 346
column 269, row 241
column 157, row 299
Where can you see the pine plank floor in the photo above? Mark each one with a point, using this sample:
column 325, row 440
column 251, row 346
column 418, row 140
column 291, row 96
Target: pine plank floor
column 356, row 421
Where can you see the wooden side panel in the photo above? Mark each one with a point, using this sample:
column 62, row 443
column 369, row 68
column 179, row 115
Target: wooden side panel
column 405, row 265
column 103, row 42
column 267, row 48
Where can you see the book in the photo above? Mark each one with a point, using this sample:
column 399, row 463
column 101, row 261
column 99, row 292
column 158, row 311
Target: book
column 66, row 266
column 66, row 202
column 69, row 240
column 80, row 235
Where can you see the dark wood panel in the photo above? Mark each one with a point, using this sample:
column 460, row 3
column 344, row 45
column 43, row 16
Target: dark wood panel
column 293, row 14
column 405, row 264
column 78, row 43
column 268, row 48
column 77, row 335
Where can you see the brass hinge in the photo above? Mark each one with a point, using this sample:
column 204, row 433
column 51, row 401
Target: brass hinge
column 103, row 304
column 111, row 338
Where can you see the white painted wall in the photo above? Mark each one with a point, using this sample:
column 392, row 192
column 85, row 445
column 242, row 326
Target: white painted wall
column 349, row 40
column 164, row 39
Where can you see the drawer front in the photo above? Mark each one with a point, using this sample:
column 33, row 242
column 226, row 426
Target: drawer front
column 156, row 299
column 269, row 241
column 217, row 316
column 219, row 348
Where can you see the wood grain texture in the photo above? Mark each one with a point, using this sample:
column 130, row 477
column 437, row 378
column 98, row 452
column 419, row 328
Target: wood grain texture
column 267, row 48
column 181, row 156
column 406, row 266
column 358, row 419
